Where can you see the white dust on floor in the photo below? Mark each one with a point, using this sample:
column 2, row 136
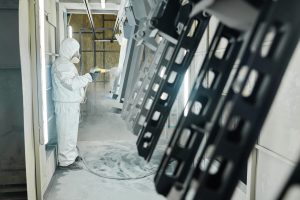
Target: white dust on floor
column 117, row 159
column 82, row 185
column 106, row 159
column 100, row 126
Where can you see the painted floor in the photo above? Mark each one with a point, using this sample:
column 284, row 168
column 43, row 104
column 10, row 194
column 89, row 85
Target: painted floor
column 109, row 151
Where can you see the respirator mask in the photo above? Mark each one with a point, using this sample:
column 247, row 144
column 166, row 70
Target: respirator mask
column 76, row 58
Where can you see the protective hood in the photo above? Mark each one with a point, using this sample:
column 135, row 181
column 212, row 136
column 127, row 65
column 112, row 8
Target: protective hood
column 68, row 48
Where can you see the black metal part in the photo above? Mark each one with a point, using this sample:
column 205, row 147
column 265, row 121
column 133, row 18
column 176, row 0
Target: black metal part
column 241, row 117
column 168, row 87
column 256, row 3
column 167, row 13
column 192, row 120
column 181, row 18
column 133, row 105
column 138, row 122
column 293, row 181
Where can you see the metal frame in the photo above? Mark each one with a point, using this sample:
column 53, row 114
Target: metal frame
column 231, row 140
column 139, row 37
column 133, row 68
column 128, row 59
column 101, row 12
column 162, row 18
column 127, row 105
column 141, row 100
column 169, row 88
column 190, row 128
column 142, row 35
column 133, row 105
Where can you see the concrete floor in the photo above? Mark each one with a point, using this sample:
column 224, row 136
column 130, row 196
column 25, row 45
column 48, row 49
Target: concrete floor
column 100, row 127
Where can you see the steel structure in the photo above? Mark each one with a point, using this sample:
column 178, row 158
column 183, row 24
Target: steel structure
column 164, row 88
column 230, row 124
column 190, row 130
column 151, row 39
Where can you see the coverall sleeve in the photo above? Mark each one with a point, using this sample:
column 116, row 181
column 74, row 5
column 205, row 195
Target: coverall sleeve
column 72, row 81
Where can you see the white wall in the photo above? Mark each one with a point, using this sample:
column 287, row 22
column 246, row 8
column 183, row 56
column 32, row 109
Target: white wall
column 279, row 144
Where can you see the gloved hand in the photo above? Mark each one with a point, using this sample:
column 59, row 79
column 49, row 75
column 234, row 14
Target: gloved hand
column 94, row 75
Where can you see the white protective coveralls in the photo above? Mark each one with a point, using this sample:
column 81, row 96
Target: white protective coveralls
column 68, row 93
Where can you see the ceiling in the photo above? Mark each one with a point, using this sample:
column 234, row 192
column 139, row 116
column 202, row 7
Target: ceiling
column 91, row 1
column 77, row 6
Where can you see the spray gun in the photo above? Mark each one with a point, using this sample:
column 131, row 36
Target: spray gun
column 94, row 70
column 99, row 70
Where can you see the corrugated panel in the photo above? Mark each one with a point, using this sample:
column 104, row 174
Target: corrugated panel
column 112, row 46
column 110, row 59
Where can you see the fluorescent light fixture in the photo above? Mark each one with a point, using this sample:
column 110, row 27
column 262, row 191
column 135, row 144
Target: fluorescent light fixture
column 43, row 78
column 103, row 4
column 70, row 31
column 186, row 85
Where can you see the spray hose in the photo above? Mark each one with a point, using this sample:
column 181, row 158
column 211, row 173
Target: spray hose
column 110, row 177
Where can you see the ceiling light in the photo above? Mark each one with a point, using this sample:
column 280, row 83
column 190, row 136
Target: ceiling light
column 43, row 77
column 102, row 3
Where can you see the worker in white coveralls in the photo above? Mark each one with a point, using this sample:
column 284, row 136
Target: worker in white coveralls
column 68, row 93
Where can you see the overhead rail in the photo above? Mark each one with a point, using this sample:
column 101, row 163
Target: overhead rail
column 90, row 17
